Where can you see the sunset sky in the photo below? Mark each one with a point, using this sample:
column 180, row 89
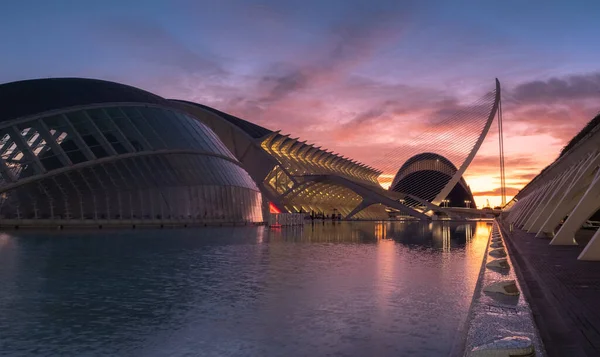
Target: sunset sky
column 350, row 76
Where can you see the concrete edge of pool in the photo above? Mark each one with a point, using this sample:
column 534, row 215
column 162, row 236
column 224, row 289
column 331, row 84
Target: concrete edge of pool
column 92, row 224
column 499, row 321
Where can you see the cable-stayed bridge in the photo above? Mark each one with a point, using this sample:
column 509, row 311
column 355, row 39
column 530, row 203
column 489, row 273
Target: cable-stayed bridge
column 295, row 176
column 433, row 161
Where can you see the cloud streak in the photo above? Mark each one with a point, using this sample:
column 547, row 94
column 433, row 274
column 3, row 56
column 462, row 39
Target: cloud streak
column 364, row 79
column 510, row 191
column 149, row 42
column 572, row 87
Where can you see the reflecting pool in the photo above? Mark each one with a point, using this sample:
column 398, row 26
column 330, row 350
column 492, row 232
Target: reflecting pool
column 324, row 289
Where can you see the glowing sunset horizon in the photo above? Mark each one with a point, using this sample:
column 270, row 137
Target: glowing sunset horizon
column 353, row 78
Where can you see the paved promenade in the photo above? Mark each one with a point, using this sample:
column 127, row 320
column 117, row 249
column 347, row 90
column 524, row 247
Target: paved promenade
column 564, row 293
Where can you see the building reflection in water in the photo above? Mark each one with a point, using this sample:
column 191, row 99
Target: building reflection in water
column 380, row 230
column 261, row 234
column 387, row 267
column 398, row 269
column 442, row 235
column 388, row 283
column 328, row 232
column 444, row 254
column 5, row 240
column 446, row 236
column 468, row 232
column 477, row 243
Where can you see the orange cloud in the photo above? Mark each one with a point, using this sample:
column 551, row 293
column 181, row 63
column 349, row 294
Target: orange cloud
column 510, row 191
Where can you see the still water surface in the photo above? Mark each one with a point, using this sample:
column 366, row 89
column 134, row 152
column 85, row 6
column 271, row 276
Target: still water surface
column 343, row 289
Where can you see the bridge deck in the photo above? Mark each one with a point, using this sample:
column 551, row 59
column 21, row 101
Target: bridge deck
column 564, row 293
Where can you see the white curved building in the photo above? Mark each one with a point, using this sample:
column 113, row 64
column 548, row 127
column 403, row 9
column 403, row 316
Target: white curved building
column 77, row 151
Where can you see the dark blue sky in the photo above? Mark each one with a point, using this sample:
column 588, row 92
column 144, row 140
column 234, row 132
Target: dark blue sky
column 349, row 75
column 512, row 39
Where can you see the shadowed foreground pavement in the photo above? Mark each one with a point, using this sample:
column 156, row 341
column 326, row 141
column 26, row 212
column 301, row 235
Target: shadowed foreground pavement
column 564, row 293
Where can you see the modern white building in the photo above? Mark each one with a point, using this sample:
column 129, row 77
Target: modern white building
column 81, row 151
column 559, row 201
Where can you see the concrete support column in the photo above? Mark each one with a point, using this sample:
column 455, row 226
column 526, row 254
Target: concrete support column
column 592, row 249
column 543, row 199
column 562, row 208
column 554, row 184
column 364, row 204
column 536, row 220
column 589, row 203
column 535, row 197
column 507, row 213
column 558, row 194
column 518, row 210
column 569, row 199
column 531, row 199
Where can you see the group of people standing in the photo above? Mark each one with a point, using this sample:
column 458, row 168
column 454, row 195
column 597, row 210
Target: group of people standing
column 320, row 215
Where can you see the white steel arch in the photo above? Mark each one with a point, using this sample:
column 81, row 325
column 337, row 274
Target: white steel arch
column 463, row 167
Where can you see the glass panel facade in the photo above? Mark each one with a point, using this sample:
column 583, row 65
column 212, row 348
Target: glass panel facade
column 325, row 198
column 152, row 186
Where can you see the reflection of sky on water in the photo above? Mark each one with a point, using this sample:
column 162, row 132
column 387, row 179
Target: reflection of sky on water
column 364, row 288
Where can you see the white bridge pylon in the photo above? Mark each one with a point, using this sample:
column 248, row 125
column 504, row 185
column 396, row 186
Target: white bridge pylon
column 463, row 167
column 456, row 138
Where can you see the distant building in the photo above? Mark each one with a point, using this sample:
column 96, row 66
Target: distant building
column 79, row 150
column 425, row 175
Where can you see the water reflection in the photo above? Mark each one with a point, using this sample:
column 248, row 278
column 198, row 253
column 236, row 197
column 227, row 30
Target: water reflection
column 468, row 232
column 350, row 289
column 381, row 230
column 443, row 235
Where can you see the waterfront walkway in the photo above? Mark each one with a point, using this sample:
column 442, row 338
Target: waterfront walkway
column 564, row 293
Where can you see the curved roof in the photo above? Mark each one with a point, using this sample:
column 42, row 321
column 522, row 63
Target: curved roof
column 426, row 156
column 255, row 131
column 29, row 97
column 409, row 180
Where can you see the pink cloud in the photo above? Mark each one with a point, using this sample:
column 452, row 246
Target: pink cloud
column 320, row 97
